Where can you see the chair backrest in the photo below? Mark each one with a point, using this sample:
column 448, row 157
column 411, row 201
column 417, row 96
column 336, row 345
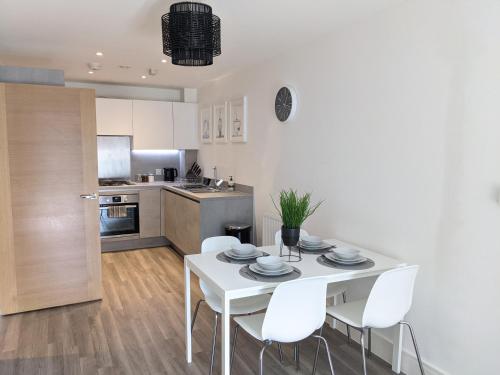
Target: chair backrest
column 218, row 243
column 390, row 298
column 297, row 308
column 277, row 236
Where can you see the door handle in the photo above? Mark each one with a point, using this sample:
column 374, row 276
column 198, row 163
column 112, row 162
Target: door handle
column 88, row 196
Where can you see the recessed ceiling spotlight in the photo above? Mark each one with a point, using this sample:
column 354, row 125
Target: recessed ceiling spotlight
column 91, row 72
column 144, row 77
column 99, row 53
column 164, row 61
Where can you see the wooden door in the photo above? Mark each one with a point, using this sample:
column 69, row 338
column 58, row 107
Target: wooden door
column 153, row 125
column 50, row 248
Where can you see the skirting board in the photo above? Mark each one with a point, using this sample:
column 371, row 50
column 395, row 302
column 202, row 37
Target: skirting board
column 382, row 347
column 143, row 243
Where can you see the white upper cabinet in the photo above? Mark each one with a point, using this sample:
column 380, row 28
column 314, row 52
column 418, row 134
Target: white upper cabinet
column 153, row 125
column 185, row 126
column 114, row 116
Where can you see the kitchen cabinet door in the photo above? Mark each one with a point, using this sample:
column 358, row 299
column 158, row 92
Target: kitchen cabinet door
column 185, row 126
column 150, row 213
column 187, row 225
column 114, row 116
column 169, row 215
column 153, row 125
column 182, row 222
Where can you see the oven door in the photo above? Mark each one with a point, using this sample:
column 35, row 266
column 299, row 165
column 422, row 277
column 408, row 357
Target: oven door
column 119, row 219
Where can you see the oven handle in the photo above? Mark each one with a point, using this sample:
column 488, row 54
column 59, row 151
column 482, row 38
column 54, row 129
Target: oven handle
column 117, row 205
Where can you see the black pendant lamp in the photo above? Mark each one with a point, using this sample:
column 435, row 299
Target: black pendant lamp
column 191, row 34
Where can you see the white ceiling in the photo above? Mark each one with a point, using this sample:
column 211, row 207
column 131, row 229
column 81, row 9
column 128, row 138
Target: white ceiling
column 66, row 34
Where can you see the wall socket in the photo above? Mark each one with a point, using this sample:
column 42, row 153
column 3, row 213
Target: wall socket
column 158, row 172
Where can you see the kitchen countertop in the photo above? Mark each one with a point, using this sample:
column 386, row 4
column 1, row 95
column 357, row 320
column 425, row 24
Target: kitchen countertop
column 172, row 186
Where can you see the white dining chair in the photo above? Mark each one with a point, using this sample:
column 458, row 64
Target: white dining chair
column 389, row 301
column 238, row 306
column 334, row 291
column 296, row 310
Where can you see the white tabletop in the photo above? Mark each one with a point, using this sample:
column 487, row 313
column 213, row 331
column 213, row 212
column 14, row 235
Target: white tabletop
column 224, row 278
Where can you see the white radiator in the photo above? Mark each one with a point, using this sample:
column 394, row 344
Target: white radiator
column 270, row 225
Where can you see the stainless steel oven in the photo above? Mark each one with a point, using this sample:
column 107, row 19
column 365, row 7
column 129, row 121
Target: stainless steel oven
column 119, row 216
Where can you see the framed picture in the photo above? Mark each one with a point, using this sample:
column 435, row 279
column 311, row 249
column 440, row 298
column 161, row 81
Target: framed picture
column 206, row 125
column 220, row 123
column 238, row 119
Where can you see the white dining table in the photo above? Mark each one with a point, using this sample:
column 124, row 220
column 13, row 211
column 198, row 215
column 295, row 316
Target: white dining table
column 224, row 279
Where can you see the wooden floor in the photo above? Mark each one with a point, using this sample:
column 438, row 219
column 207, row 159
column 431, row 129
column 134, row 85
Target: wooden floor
column 138, row 329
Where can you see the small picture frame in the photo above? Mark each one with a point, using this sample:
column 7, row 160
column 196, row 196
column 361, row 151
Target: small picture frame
column 238, row 120
column 220, row 123
column 206, row 130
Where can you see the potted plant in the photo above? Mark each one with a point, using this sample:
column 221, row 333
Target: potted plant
column 294, row 210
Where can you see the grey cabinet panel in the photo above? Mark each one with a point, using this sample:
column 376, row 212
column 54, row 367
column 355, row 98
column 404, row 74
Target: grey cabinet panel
column 216, row 213
column 150, row 213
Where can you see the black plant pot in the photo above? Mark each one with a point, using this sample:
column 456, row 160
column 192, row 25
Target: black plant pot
column 290, row 236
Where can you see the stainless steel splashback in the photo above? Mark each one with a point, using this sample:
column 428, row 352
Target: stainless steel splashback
column 113, row 155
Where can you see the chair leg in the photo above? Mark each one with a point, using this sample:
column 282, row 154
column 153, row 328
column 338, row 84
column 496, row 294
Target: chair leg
column 261, row 357
column 280, row 351
column 344, row 299
column 414, row 339
column 369, row 353
column 235, row 337
column 317, row 351
column 195, row 313
column 363, row 351
column 321, row 338
column 296, row 355
column 214, row 339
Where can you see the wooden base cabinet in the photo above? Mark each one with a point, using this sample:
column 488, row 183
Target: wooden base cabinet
column 187, row 222
column 49, row 235
column 182, row 222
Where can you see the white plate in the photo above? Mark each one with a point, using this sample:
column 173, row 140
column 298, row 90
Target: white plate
column 313, row 240
column 283, row 271
column 333, row 258
column 321, row 246
column 232, row 255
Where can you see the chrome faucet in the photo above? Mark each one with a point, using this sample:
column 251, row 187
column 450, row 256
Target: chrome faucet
column 216, row 182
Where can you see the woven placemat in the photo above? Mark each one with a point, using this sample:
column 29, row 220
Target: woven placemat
column 224, row 258
column 246, row 273
column 361, row 266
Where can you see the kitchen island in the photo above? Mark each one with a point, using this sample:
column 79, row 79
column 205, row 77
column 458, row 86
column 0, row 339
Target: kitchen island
column 171, row 215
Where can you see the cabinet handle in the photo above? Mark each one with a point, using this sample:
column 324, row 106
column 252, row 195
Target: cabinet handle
column 88, row 196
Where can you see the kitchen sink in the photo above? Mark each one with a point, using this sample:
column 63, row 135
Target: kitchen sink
column 199, row 188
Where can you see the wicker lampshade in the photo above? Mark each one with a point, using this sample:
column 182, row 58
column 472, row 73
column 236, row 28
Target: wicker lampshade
column 191, row 34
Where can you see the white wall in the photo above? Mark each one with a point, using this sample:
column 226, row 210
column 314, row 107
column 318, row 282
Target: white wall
column 398, row 129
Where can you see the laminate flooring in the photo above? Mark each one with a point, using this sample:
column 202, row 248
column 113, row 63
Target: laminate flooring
column 138, row 328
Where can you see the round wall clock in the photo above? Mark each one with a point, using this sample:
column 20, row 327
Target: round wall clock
column 285, row 104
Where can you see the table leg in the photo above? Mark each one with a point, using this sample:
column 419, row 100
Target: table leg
column 397, row 348
column 187, row 309
column 226, row 341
